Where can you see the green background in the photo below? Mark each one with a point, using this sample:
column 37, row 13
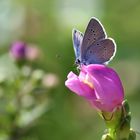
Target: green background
column 48, row 24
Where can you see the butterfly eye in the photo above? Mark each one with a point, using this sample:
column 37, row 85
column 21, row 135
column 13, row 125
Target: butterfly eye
column 77, row 61
column 98, row 44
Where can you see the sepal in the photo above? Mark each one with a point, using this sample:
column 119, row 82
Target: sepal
column 106, row 137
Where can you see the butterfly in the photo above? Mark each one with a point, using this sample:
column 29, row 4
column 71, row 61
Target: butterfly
column 93, row 47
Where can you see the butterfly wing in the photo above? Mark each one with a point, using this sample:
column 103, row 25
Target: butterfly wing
column 93, row 33
column 101, row 52
column 77, row 41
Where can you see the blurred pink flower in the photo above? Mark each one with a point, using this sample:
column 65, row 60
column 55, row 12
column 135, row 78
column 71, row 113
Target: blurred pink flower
column 32, row 52
column 50, row 80
column 100, row 85
column 18, row 50
column 22, row 51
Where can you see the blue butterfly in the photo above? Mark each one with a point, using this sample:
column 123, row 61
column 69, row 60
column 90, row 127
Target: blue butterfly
column 93, row 47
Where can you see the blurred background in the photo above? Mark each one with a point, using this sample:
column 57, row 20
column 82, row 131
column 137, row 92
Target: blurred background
column 51, row 111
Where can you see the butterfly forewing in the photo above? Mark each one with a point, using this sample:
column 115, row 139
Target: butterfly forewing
column 93, row 33
column 100, row 52
column 77, row 41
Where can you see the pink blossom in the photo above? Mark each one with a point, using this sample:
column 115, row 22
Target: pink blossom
column 18, row 50
column 22, row 51
column 99, row 84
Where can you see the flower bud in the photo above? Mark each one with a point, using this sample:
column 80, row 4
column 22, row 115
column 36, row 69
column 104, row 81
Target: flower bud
column 50, row 80
column 132, row 135
column 18, row 50
column 100, row 85
column 32, row 52
column 22, row 51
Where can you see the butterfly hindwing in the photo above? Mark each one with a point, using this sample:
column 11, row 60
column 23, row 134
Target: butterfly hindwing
column 100, row 52
column 93, row 33
column 77, row 41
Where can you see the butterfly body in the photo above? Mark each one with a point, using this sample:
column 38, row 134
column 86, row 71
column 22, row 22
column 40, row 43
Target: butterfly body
column 93, row 47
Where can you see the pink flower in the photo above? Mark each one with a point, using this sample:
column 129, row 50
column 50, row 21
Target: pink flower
column 100, row 85
column 32, row 52
column 18, row 50
column 22, row 51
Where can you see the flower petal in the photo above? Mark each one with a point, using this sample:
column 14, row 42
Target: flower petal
column 79, row 87
column 107, row 85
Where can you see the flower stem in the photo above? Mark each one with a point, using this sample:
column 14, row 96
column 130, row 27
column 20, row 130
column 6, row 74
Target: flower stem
column 119, row 125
